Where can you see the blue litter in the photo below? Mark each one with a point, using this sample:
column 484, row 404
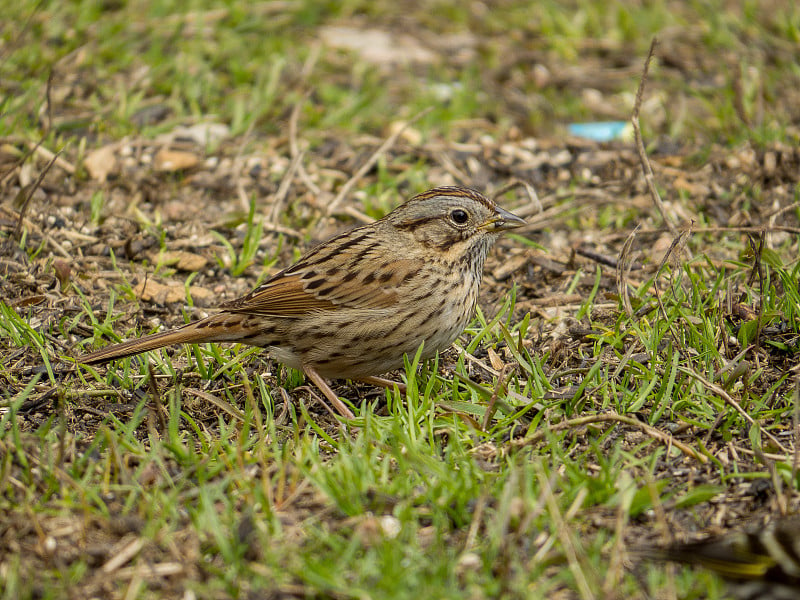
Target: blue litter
column 602, row 131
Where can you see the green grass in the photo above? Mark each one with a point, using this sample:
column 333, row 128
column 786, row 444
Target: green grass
column 215, row 466
column 412, row 500
column 241, row 66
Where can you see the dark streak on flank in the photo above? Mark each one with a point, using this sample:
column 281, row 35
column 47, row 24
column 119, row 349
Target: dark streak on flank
column 420, row 296
column 410, row 275
column 362, row 337
column 434, row 313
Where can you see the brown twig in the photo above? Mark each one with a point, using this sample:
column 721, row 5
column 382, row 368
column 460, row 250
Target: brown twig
column 158, row 412
column 29, row 195
column 637, row 131
column 283, row 188
column 601, row 259
column 218, row 402
column 294, row 147
column 49, row 102
column 54, row 157
column 384, row 147
column 502, row 381
column 757, row 272
column 606, row 418
column 736, row 406
column 623, row 271
column 531, row 191
column 448, row 165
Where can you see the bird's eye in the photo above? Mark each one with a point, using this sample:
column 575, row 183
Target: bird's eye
column 459, row 216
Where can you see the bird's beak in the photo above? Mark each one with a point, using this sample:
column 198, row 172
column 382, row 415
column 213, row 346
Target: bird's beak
column 503, row 220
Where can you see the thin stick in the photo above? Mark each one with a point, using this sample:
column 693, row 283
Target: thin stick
column 500, row 387
column 158, row 410
column 238, row 162
column 29, row 195
column 606, row 418
column 623, row 271
column 737, row 407
column 294, row 147
column 219, row 403
column 283, row 188
column 646, row 168
column 326, row 390
column 365, row 168
column 55, row 157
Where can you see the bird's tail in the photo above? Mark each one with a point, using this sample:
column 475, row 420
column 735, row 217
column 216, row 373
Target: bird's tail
column 216, row 328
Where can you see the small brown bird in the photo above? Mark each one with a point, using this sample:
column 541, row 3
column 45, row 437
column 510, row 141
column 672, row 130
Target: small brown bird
column 758, row 563
column 354, row 305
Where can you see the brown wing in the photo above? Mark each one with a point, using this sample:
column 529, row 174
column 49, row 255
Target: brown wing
column 283, row 295
column 346, row 272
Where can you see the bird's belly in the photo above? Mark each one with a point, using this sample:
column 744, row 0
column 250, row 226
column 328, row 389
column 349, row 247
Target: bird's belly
column 362, row 343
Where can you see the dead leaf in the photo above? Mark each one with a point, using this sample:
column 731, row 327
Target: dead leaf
column 101, row 162
column 183, row 260
column 160, row 293
column 409, row 134
column 377, row 46
column 495, row 360
column 174, row 160
column 63, row 270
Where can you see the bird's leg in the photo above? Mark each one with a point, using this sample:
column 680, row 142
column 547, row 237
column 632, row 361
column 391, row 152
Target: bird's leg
column 326, row 390
column 384, row 383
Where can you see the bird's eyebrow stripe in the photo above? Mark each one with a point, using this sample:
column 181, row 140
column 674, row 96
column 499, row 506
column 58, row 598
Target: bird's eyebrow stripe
column 457, row 192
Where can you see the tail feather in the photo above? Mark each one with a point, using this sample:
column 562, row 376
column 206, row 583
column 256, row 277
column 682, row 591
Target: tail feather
column 210, row 329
